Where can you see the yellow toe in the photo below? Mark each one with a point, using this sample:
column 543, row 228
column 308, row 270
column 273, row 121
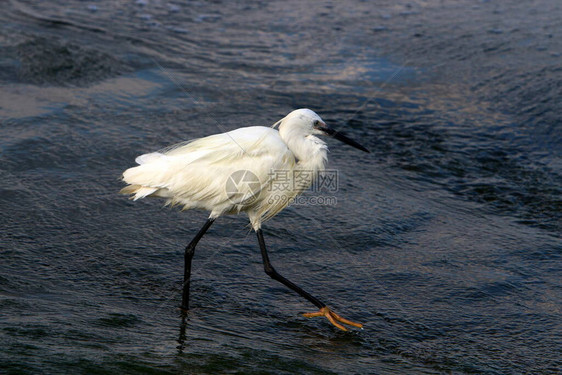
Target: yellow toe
column 334, row 318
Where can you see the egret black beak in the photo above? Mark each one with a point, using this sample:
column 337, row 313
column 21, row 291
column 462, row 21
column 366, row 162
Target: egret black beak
column 340, row 137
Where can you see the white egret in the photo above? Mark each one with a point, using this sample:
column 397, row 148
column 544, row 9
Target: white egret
column 252, row 169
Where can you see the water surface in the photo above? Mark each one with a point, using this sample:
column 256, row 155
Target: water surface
column 445, row 240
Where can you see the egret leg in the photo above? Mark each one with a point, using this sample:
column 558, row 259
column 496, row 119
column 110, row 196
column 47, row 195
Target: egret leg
column 270, row 271
column 188, row 256
column 323, row 309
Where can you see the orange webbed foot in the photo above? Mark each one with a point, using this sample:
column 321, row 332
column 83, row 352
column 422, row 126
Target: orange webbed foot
column 334, row 318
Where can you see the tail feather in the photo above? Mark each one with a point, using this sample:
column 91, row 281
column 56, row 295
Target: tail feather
column 145, row 179
column 138, row 191
column 148, row 158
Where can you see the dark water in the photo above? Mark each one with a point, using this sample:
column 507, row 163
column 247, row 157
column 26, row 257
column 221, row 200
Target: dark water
column 445, row 240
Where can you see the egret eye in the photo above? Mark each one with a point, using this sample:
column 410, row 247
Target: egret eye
column 316, row 123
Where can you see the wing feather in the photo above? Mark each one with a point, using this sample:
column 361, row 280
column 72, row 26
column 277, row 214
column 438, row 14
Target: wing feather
column 196, row 173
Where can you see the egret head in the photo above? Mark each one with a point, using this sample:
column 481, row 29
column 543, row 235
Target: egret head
column 300, row 120
column 306, row 122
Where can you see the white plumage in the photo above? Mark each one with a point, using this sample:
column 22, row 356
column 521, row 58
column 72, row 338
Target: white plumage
column 196, row 174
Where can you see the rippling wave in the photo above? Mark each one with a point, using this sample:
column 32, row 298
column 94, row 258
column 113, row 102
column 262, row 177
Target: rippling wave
column 445, row 240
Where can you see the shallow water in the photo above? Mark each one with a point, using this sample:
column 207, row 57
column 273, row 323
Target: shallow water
column 445, row 240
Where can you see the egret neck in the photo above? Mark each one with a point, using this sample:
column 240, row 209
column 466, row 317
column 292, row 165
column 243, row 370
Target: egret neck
column 310, row 152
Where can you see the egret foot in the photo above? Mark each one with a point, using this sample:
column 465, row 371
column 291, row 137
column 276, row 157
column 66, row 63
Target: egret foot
column 333, row 318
